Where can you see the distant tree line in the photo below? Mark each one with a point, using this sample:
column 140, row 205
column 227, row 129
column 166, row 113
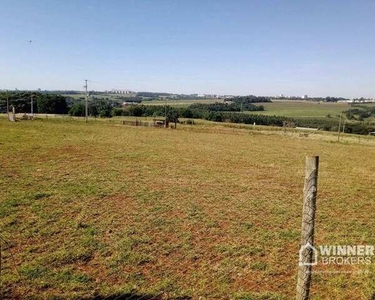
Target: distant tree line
column 330, row 99
column 218, row 112
column 221, row 113
column 62, row 92
column 249, row 99
column 218, row 106
column 328, row 124
column 152, row 95
column 42, row 103
column 55, row 104
column 360, row 112
column 196, row 110
column 362, row 99
column 101, row 108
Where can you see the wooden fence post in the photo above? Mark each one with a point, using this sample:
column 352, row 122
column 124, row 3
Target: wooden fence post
column 12, row 116
column 307, row 256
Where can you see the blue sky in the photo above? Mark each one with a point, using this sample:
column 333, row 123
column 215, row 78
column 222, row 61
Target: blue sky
column 263, row 47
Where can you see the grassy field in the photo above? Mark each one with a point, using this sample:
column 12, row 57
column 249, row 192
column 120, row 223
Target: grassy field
column 294, row 108
column 286, row 108
column 95, row 210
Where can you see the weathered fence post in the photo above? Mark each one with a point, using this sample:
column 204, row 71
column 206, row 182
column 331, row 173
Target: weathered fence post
column 12, row 116
column 306, row 259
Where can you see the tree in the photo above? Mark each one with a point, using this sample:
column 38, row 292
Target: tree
column 43, row 103
column 94, row 110
column 77, row 110
column 173, row 115
column 187, row 113
column 51, row 104
column 136, row 110
column 105, row 109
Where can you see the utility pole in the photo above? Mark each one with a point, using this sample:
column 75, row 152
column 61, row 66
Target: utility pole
column 32, row 105
column 8, row 104
column 86, row 102
column 338, row 137
column 166, row 105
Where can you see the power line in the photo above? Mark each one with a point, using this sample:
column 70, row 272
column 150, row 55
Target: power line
column 8, row 104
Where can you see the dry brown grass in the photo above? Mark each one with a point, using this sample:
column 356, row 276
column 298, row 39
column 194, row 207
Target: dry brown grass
column 202, row 211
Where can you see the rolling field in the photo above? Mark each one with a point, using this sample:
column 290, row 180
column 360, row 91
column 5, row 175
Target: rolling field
column 285, row 108
column 89, row 211
column 294, row 108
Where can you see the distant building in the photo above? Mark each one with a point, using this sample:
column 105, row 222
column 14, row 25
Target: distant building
column 305, row 97
column 127, row 103
column 122, row 92
column 362, row 100
column 345, row 101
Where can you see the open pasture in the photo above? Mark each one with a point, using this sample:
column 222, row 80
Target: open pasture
column 295, row 108
column 202, row 212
